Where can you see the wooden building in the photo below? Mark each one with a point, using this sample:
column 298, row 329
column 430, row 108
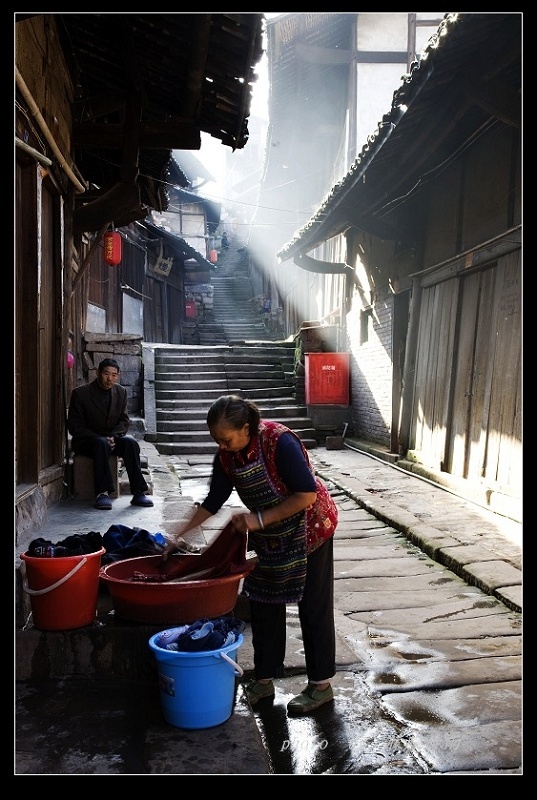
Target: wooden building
column 421, row 239
column 101, row 101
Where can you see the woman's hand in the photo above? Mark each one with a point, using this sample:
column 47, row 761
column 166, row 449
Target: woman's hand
column 245, row 522
column 259, row 520
column 178, row 545
column 169, row 548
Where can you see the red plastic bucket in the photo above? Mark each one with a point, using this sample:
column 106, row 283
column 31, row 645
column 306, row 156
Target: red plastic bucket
column 63, row 591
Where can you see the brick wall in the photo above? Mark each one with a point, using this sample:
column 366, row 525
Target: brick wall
column 369, row 336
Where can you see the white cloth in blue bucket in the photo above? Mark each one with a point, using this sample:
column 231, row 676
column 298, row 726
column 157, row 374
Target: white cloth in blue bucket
column 204, row 634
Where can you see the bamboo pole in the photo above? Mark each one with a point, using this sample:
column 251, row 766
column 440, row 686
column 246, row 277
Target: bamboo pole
column 34, row 110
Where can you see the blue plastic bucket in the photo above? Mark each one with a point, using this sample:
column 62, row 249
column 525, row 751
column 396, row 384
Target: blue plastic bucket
column 197, row 689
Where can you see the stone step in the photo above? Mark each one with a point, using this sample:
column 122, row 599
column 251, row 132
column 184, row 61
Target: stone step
column 279, row 407
column 269, row 373
column 204, row 437
column 230, row 384
column 209, row 361
column 228, row 314
column 201, row 363
column 184, row 430
column 232, row 352
column 212, row 393
column 169, row 370
column 245, row 384
column 266, row 350
column 200, row 448
column 186, row 387
column 247, row 373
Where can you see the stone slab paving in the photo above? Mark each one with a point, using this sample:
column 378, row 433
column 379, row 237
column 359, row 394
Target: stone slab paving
column 429, row 675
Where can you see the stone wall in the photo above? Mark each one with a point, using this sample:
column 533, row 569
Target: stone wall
column 126, row 348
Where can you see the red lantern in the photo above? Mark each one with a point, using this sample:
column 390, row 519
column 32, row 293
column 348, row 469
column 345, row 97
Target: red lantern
column 112, row 248
column 213, row 255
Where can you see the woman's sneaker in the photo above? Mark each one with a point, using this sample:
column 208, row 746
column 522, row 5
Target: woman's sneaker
column 256, row 691
column 309, row 700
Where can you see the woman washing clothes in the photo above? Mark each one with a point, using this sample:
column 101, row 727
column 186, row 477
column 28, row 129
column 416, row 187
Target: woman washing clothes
column 291, row 520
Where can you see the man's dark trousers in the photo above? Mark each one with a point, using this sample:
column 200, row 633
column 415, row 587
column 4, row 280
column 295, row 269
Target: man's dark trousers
column 100, row 451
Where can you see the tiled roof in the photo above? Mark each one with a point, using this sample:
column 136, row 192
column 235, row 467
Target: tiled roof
column 149, row 83
column 472, row 64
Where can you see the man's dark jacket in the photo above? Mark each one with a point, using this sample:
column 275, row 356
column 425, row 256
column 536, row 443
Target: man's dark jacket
column 87, row 415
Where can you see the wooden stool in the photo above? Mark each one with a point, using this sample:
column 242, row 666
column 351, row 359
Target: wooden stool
column 83, row 477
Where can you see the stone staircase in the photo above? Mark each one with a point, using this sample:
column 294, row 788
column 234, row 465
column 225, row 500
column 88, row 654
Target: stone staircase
column 189, row 378
column 234, row 316
column 236, row 353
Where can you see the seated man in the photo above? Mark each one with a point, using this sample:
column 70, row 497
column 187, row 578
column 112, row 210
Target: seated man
column 98, row 421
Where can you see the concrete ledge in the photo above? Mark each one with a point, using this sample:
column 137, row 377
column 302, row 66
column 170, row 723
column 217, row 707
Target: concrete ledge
column 487, row 496
column 104, row 648
column 373, row 449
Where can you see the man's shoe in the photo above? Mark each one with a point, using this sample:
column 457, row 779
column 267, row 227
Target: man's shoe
column 103, row 502
column 308, row 700
column 141, row 499
column 256, row 691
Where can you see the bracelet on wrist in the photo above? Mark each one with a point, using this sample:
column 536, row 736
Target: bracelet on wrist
column 260, row 520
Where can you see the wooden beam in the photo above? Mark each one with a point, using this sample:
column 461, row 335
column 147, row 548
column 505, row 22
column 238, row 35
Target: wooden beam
column 193, row 89
column 181, row 135
column 131, row 142
column 496, row 98
column 121, row 202
column 84, row 266
column 99, row 106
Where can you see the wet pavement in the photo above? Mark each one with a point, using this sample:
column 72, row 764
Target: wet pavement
column 429, row 645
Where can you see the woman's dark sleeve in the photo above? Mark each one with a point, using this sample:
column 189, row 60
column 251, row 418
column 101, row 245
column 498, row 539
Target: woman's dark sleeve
column 292, row 465
column 219, row 490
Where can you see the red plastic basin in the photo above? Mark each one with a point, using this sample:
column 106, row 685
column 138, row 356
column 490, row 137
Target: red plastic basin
column 167, row 602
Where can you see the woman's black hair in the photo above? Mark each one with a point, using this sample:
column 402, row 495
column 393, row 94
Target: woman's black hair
column 234, row 412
